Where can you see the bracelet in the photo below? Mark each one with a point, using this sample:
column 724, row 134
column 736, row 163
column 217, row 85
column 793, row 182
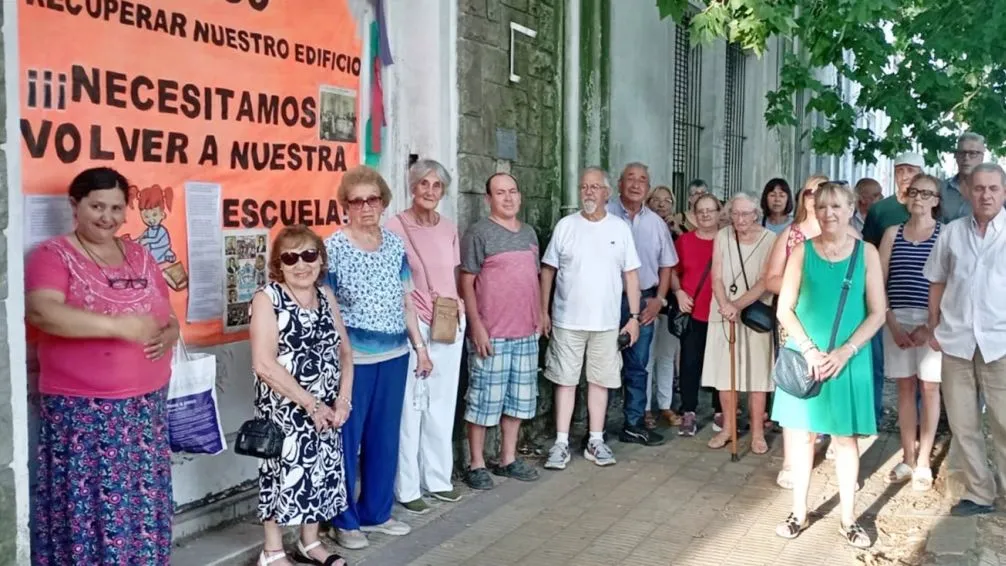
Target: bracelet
column 855, row 350
column 419, row 346
column 806, row 351
column 314, row 409
column 345, row 401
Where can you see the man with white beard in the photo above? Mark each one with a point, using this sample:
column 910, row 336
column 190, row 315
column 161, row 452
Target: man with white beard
column 590, row 258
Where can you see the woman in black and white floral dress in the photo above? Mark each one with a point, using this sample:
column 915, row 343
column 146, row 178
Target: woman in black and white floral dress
column 302, row 363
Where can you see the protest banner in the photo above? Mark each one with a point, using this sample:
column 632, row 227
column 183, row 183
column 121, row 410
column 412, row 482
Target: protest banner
column 225, row 115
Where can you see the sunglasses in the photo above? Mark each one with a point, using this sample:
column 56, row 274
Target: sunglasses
column 291, row 258
column 357, row 203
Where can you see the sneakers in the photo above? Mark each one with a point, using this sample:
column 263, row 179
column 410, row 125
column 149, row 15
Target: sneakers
column 452, row 496
column 518, row 469
column 353, row 540
column 417, row 506
column 390, row 527
column 558, row 457
column 688, row 425
column 639, row 435
column 599, row 453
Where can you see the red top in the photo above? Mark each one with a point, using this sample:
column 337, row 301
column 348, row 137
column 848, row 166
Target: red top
column 98, row 367
column 695, row 254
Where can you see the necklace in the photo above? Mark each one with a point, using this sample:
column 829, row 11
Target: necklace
column 118, row 283
column 831, row 256
column 312, row 313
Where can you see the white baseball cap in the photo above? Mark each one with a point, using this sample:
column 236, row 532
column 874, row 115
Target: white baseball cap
column 910, row 158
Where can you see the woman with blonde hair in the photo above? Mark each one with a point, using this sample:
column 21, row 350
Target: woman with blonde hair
column 662, row 366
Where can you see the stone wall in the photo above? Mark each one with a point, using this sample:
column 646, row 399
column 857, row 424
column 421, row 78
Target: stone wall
column 8, row 499
column 496, row 112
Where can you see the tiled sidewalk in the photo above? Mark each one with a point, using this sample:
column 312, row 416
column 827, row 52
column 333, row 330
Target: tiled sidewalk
column 683, row 504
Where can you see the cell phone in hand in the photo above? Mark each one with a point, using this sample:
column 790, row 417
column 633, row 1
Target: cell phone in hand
column 623, row 341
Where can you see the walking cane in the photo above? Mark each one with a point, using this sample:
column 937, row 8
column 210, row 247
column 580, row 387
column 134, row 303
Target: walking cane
column 733, row 390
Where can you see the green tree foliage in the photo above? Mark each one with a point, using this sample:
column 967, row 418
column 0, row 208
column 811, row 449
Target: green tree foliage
column 935, row 67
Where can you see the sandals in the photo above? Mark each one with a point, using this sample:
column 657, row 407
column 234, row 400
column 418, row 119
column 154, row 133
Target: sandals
column 302, row 556
column 922, row 479
column 759, row 446
column 791, row 527
column 719, row 441
column 265, row 560
column 855, row 535
column 900, row 474
column 672, row 418
column 785, row 478
column 649, row 421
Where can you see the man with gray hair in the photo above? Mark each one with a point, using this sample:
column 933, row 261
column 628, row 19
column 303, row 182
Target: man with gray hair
column 969, row 154
column 657, row 257
column 591, row 258
column 967, row 322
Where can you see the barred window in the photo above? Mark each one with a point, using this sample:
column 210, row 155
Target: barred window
column 733, row 177
column 687, row 116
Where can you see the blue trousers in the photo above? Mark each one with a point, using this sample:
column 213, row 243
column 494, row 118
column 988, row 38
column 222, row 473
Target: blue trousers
column 634, row 361
column 877, row 347
column 370, row 442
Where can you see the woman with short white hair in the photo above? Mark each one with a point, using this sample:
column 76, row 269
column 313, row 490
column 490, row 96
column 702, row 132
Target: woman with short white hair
column 425, row 454
column 740, row 253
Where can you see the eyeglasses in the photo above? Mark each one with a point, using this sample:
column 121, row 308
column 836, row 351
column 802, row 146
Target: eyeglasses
column 742, row 214
column 972, row 153
column 127, row 283
column 706, row 211
column 924, row 195
column 808, row 193
column 592, row 188
column 357, row 203
column 291, row 258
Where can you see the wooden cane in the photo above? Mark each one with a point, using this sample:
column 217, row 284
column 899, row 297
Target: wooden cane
column 733, row 390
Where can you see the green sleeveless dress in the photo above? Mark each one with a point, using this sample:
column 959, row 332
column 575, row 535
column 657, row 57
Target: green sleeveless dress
column 845, row 405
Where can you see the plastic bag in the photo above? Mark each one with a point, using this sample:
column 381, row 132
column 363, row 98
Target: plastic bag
column 193, row 418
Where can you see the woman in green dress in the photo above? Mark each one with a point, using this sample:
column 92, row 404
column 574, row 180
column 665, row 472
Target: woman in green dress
column 808, row 304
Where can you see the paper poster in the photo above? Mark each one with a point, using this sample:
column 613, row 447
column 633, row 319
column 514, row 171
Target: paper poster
column 45, row 217
column 222, row 114
column 245, row 262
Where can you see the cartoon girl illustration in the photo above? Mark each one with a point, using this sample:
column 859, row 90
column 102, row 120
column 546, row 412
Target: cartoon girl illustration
column 154, row 204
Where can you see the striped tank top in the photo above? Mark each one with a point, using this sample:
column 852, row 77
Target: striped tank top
column 907, row 288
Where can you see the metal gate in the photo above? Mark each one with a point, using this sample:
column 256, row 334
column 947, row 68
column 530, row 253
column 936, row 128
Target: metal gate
column 687, row 112
column 733, row 159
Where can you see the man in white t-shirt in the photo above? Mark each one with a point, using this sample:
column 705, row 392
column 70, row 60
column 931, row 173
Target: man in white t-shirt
column 590, row 257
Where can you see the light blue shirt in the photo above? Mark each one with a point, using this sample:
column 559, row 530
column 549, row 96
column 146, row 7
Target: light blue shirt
column 653, row 242
column 954, row 204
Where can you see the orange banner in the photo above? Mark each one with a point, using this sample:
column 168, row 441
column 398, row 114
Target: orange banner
column 257, row 97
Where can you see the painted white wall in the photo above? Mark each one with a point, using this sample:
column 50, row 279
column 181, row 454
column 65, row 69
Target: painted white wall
column 642, row 89
column 763, row 156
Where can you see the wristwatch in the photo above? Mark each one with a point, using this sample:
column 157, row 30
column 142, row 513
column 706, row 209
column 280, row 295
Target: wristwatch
column 634, row 315
column 663, row 302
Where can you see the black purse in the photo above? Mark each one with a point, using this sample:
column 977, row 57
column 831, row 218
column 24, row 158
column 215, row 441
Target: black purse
column 757, row 316
column 259, row 438
column 791, row 373
column 678, row 323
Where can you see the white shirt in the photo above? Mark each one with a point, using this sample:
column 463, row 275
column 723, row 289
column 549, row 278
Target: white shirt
column 590, row 258
column 973, row 309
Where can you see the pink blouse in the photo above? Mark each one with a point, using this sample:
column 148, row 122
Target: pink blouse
column 98, row 367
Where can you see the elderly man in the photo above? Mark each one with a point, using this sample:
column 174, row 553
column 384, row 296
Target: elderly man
column 656, row 257
column 591, row 258
column 892, row 211
column 969, row 153
column 499, row 284
column 967, row 320
column 868, row 192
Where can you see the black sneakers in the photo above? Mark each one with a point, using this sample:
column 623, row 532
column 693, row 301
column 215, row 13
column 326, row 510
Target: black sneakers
column 639, row 435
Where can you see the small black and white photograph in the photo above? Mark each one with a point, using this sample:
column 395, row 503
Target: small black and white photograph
column 337, row 122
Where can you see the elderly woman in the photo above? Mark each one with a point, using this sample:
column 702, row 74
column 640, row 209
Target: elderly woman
column 692, row 287
column 370, row 274
column 685, row 221
column 908, row 359
column 809, row 306
column 740, row 252
column 301, row 385
column 776, row 205
column 106, row 330
column 661, row 367
column 431, row 244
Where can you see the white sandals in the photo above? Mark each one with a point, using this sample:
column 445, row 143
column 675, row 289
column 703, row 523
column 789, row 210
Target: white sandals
column 922, row 479
column 900, row 474
column 264, row 558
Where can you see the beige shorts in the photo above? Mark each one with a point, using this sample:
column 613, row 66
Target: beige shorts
column 921, row 361
column 566, row 350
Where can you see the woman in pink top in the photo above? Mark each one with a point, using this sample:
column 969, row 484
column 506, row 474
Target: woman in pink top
column 431, row 244
column 100, row 306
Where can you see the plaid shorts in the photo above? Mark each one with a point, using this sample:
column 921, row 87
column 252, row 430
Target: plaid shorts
column 506, row 382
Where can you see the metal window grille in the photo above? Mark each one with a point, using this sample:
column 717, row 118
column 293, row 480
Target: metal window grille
column 687, row 112
column 734, row 123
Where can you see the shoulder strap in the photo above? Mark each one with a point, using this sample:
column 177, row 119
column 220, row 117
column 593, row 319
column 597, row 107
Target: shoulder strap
column 408, row 234
column 702, row 280
column 846, row 284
